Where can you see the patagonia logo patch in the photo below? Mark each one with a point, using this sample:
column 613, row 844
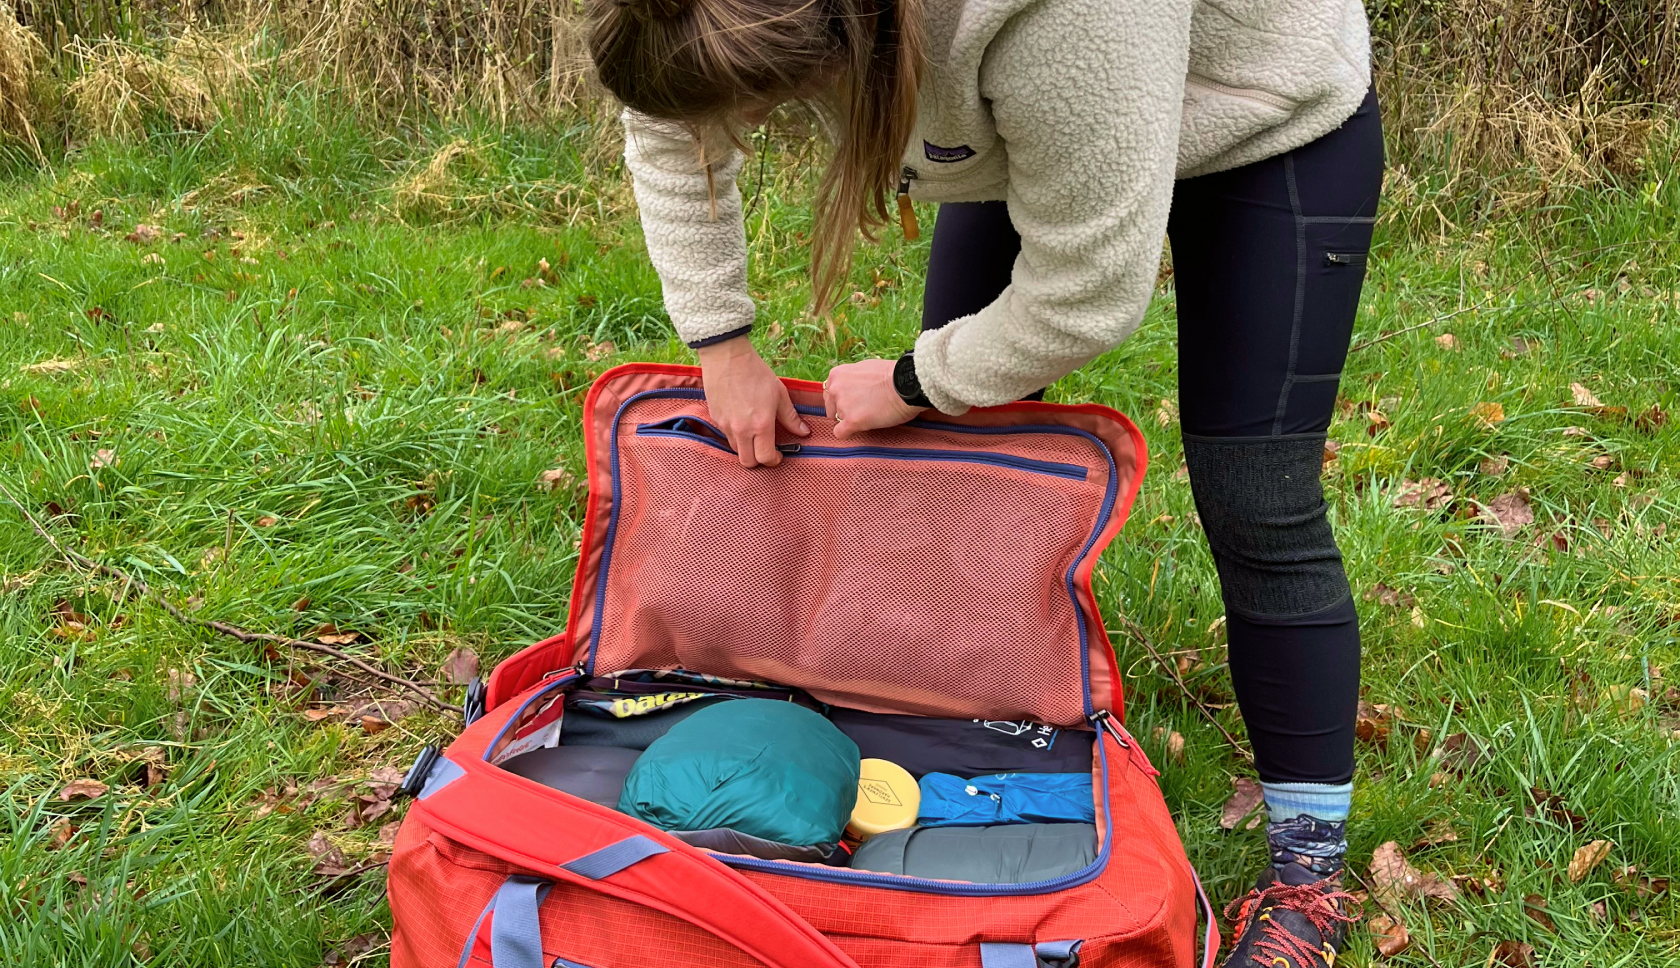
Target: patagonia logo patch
column 947, row 155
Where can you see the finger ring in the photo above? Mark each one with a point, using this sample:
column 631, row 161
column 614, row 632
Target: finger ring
column 825, row 384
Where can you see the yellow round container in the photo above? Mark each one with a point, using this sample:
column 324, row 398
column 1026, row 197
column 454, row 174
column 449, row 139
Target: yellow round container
column 888, row 799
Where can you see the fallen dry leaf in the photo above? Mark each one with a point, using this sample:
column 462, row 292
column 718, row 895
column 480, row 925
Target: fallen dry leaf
column 1379, row 422
column 1510, row 511
column 1588, row 856
column 83, row 790
column 1437, row 833
column 62, row 831
column 267, row 521
column 373, row 724
column 144, row 234
column 327, row 712
column 351, row 951
column 1332, row 450
column 1650, row 420
column 1393, row 878
column 1428, row 494
column 1460, row 753
column 1390, row 935
column 1512, row 954
column 1373, row 723
column 1535, row 907
column 1447, row 341
column 1392, row 597
column 329, row 860
column 1174, row 742
column 329, row 634
column 1554, row 806
column 157, row 768
column 597, row 351
column 1629, row 878
column 1166, row 413
column 1488, row 413
column 388, row 833
column 1583, row 396
column 460, row 668
column 556, row 479
column 104, row 458
column 1244, row 800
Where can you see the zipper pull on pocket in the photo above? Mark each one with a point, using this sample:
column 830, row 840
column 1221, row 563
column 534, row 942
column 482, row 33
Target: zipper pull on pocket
column 1104, row 719
column 906, row 213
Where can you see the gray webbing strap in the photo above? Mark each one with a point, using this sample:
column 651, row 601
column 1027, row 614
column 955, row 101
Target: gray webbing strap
column 444, row 772
column 996, row 955
column 1000, row 955
column 515, row 933
column 611, row 859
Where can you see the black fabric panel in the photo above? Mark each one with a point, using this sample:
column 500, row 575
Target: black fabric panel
column 965, row 747
column 586, row 727
column 1297, row 684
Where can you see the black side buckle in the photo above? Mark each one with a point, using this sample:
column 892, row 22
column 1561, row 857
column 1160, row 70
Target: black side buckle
column 415, row 781
column 472, row 707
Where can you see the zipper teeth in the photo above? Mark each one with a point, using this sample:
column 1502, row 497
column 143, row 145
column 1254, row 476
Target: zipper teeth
column 1053, row 468
column 1264, row 97
column 1071, row 471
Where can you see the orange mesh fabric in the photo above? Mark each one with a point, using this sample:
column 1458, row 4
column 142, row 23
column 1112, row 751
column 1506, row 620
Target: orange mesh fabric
column 895, row 582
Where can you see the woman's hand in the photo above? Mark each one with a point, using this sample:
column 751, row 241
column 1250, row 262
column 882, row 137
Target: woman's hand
column 861, row 397
column 747, row 401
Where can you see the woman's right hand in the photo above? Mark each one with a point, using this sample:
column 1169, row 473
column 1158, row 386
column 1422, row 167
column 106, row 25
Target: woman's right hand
column 747, row 401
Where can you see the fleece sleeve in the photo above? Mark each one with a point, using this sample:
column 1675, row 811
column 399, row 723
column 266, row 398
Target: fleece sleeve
column 1091, row 131
column 692, row 223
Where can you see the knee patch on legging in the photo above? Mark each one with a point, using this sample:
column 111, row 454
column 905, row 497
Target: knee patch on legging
column 1263, row 509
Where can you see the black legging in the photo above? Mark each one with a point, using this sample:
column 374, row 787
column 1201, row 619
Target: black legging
column 1268, row 261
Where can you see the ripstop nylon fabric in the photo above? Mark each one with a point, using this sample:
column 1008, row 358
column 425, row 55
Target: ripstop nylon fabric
column 1134, row 908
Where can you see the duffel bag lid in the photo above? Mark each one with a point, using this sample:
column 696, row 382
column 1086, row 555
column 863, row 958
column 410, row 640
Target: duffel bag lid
column 940, row 568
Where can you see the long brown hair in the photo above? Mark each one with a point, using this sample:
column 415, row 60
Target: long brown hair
column 710, row 63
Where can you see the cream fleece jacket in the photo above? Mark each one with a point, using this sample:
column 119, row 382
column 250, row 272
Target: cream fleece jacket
column 1080, row 114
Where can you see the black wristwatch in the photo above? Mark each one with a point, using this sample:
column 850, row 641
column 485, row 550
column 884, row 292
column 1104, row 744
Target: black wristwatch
column 904, row 381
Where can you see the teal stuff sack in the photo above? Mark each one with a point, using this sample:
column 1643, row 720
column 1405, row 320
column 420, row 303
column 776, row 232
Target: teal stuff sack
column 774, row 770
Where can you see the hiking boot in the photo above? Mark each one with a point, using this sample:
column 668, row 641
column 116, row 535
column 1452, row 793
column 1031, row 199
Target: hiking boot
column 1294, row 918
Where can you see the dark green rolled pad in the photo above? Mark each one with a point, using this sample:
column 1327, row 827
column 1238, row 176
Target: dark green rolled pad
column 768, row 769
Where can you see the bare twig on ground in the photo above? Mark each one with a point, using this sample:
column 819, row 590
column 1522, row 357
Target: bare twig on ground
column 85, row 563
column 1142, row 638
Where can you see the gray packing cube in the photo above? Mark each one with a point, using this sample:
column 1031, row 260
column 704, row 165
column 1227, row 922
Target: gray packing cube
column 1009, row 854
column 727, row 841
column 593, row 773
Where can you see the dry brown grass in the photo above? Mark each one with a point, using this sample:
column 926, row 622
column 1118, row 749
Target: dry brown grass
column 22, row 56
column 1572, row 89
column 118, row 85
column 1568, row 90
column 514, row 59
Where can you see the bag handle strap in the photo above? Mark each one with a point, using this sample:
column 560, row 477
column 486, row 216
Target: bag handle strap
column 642, row 870
column 1210, row 935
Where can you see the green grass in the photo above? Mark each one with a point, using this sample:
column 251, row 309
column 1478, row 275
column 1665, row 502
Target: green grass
column 325, row 390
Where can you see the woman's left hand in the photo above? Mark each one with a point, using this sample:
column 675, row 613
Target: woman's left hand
column 861, row 397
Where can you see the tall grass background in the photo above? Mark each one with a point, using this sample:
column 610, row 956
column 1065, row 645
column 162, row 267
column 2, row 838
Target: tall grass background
column 1497, row 103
